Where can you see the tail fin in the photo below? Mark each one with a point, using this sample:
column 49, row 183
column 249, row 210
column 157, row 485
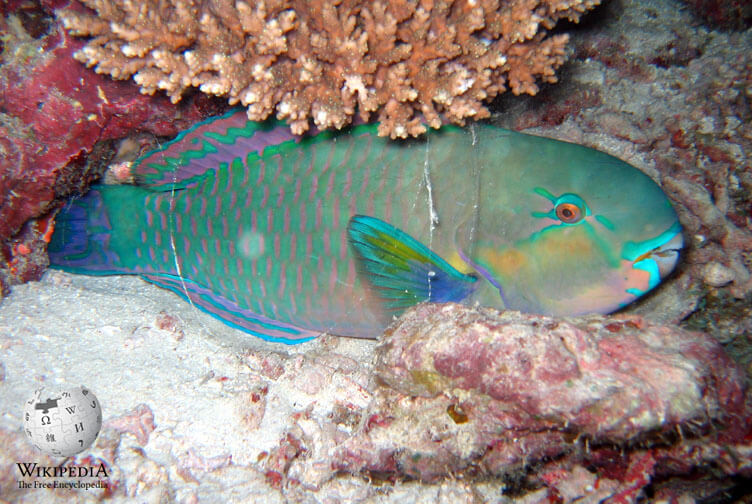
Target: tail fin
column 82, row 236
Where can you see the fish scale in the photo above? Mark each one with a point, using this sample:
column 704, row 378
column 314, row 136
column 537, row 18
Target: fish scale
column 286, row 237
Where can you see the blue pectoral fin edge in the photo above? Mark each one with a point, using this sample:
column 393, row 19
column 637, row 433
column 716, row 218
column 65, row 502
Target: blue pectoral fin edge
column 403, row 271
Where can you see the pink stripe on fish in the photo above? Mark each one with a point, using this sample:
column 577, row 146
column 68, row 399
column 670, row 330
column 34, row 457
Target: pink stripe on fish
column 178, row 222
column 149, row 218
column 186, row 244
column 231, row 248
column 330, row 184
column 262, row 285
column 240, row 266
column 215, row 186
column 233, row 197
column 286, row 220
column 199, row 259
column 335, row 212
column 366, row 179
column 343, row 244
column 278, row 159
column 314, row 187
column 246, row 173
column 228, row 174
column 138, row 253
column 194, row 226
column 351, row 272
column 165, row 256
column 299, row 279
column 225, row 227
column 248, row 198
column 268, row 273
column 218, row 247
column 333, row 279
column 226, row 265
column 302, row 217
column 370, row 209
column 282, row 280
column 254, row 221
column 262, row 170
column 276, row 245
column 293, row 247
column 210, row 227
column 205, row 245
column 348, row 183
column 309, row 246
column 158, row 239
column 152, row 254
column 317, row 226
column 265, row 198
column 280, row 196
column 298, row 185
column 143, row 236
column 327, row 244
column 202, row 211
column 187, row 200
column 269, row 219
column 163, row 220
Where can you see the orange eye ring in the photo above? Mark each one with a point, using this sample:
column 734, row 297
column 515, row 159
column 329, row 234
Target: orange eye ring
column 568, row 213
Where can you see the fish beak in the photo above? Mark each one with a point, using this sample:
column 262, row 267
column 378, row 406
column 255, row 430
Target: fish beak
column 665, row 256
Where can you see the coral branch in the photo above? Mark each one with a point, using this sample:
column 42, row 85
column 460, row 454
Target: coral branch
column 403, row 61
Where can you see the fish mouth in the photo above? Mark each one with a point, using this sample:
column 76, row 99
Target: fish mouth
column 665, row 256
column 657, row 257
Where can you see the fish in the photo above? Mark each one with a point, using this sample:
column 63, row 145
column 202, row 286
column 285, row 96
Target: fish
column 288, row 237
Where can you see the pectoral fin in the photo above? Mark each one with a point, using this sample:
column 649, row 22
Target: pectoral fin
column 403, row 271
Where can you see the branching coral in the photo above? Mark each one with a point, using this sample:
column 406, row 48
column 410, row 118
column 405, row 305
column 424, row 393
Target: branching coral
column 406, row 61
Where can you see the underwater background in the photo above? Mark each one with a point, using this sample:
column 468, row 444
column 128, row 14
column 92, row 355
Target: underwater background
column 196, row 411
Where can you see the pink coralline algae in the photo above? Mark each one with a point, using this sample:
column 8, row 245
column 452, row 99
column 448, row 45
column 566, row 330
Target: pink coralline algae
column 52, row 113
column 479, row 392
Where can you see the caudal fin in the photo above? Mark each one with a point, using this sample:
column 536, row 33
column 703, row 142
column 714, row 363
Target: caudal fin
column 82, row 236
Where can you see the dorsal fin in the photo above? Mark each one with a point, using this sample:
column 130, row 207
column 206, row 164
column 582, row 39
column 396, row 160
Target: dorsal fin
column 402, row 270
column 206, row 145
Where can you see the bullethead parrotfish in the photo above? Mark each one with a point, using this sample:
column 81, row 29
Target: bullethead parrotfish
column 288, row 237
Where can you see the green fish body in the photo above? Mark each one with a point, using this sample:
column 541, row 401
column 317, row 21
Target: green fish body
column 287, row 237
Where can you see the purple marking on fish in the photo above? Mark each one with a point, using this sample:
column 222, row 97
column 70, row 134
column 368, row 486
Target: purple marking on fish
column 261, row 171
column 293, row 247
column 265, row 198
column 296, row 196
column 282, row 280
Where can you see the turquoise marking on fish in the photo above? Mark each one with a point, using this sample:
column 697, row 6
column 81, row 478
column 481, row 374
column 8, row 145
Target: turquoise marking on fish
column 286, row 237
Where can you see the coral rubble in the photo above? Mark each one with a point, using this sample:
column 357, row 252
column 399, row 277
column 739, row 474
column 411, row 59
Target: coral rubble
column 404, row 61
column 483, row 392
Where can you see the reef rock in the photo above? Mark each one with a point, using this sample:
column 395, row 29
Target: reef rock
column 476, row 391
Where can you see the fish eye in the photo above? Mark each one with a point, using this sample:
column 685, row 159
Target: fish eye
column 568, row 213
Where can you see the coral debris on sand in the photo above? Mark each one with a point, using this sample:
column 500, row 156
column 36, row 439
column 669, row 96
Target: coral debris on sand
column 477, row 391
column 324, row 60
column 52, row 113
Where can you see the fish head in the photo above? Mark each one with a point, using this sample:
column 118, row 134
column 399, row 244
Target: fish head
column 573, row 231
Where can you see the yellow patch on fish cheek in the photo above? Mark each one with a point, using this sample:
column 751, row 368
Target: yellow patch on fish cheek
column 505, row 262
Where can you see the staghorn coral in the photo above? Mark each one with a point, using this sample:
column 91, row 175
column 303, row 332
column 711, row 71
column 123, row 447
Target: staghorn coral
column 404, row 61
